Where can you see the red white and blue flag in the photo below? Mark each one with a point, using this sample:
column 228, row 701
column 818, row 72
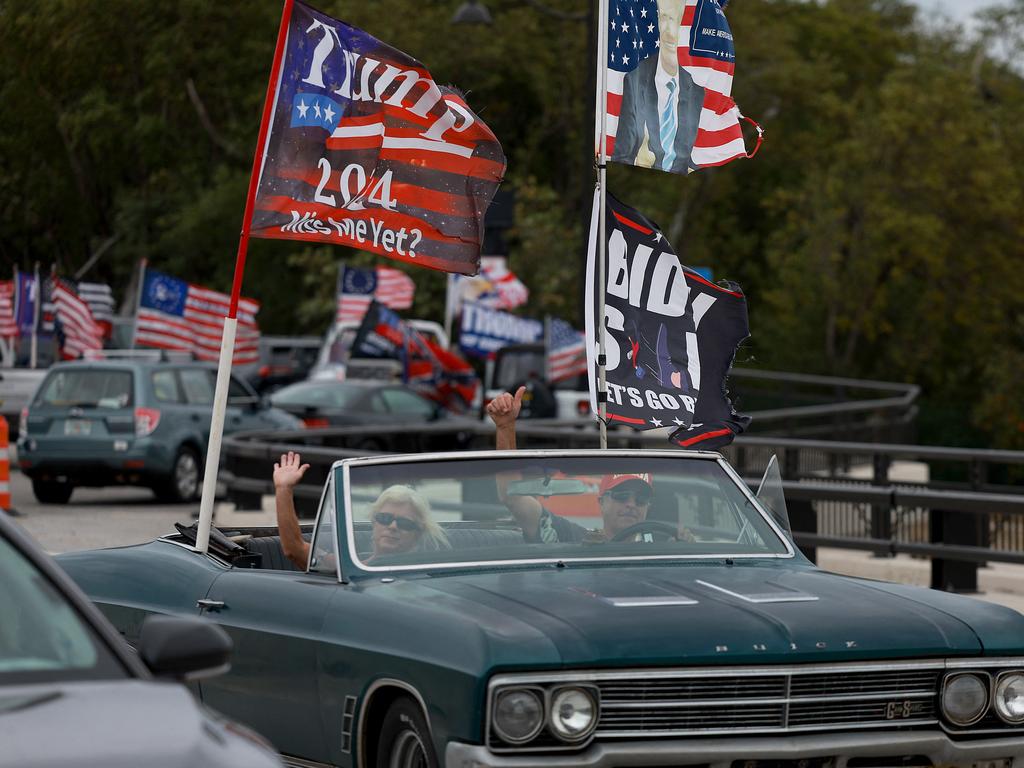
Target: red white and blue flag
column 366, row 150
column 566, row 350
column 702, row 129
column 184, row 317
column 77, row 331
column 8, row 326
column 358, row 287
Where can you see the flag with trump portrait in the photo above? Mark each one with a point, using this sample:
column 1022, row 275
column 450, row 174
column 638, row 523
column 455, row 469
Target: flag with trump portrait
column 669, row 72
column 366, row 150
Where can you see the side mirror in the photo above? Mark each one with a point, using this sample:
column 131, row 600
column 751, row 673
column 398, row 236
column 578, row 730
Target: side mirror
column 183, row 647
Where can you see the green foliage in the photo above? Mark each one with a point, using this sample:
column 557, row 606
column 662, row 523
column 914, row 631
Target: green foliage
column 877, row 234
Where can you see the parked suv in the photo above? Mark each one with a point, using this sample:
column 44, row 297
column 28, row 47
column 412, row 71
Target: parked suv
column 131, row 422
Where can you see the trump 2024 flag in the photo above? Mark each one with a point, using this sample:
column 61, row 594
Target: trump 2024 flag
column 670, row 69
column 366, row 150
column 670, row 335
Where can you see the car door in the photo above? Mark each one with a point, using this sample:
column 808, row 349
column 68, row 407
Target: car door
column 275, row 619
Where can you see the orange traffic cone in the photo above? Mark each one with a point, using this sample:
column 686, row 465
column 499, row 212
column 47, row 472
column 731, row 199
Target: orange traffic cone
column 5, row 469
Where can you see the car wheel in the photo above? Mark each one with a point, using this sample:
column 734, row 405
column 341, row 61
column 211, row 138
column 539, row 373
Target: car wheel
column 404, row 740
column 183, row 484
column 52, row 491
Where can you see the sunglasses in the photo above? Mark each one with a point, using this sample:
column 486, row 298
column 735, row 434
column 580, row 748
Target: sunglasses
column 403, row 523
column 641, row 497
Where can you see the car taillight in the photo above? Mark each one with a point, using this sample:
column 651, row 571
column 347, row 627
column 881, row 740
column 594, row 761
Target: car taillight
column 264, row 371
column 314, row 422
column 583, row 407
column 23, row 423
column 146, row 420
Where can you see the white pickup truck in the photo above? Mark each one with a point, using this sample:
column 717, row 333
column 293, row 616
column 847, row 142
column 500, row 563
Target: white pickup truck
column 334, row 362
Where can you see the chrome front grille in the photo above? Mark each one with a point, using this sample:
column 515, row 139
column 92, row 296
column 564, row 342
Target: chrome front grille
column 680, row 703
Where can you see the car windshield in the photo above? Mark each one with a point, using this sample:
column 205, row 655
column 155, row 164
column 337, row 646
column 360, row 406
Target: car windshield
column 42, row 636
column 551, row 507
column 87, row 389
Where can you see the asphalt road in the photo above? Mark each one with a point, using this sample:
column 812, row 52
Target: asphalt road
column 95, row 517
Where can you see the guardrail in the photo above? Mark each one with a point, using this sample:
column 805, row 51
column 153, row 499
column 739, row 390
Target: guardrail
column 968, row 508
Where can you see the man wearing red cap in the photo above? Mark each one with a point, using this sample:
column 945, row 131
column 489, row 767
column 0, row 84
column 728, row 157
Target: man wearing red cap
column 624, row 499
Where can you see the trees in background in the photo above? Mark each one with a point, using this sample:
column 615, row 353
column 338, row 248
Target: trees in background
column 877, row 234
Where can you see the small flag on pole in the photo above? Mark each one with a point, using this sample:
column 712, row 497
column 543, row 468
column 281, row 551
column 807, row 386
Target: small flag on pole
column 358, row 287
column 566, row 350
column 76, row 329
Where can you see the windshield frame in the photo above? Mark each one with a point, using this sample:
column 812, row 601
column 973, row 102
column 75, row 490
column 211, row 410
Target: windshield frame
column 345, row 466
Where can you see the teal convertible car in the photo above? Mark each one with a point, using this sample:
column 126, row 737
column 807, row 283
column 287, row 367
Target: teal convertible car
column 574, row 608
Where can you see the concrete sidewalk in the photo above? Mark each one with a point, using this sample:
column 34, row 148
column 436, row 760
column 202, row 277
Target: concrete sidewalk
column 998, row 582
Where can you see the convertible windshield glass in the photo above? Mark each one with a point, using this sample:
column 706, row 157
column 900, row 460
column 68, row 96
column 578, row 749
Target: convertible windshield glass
column 408, row 514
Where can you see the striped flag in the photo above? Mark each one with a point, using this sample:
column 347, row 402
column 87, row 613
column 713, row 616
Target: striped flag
column 181, row 316
column 100, row 299
column 567, row 350
column 75, row 327
column 8, row 326
column 366, row 150
column 358, row 287
column 704, row 129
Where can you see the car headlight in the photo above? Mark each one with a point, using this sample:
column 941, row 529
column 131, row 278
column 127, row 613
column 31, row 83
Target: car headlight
column 518, row 714
column 1009, row 698
column 573, row 714
column 964, row 698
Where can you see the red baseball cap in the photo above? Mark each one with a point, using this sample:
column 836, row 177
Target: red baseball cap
column 613, row 481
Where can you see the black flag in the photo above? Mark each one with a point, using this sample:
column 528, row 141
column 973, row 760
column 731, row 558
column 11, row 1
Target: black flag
column 670, row 335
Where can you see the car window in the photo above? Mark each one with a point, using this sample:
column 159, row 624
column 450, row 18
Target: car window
column 237, row 391
column 42, row 636
column 323, row 557
column 407, row 403
column 165, row 387
column 198, row 386
column 87, row 389
column 582, row 507
column 377, row 403
column 330, row 394
column 515, row 367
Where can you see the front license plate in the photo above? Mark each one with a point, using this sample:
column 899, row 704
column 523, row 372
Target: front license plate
column 77, row 427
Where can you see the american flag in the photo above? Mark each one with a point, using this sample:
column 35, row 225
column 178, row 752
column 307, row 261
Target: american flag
column 76, row 328
column 181, row 316
column 100, row 299
column 358, row 287
column 705, row 51
column 8, row 326
column 567, row 350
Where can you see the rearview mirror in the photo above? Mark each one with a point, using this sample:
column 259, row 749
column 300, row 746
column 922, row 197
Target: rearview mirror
column 547, row 487
column 183, row 647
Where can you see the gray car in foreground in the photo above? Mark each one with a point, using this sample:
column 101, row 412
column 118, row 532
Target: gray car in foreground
column 72, row 692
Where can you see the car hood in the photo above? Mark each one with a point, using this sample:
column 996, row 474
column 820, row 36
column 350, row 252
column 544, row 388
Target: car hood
column 121, row 724
column 711, row 613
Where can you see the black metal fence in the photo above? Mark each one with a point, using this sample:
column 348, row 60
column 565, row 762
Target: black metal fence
column 958, row 507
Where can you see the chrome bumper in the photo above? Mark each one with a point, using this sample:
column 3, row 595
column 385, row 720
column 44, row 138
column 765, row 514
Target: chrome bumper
column 722, row 752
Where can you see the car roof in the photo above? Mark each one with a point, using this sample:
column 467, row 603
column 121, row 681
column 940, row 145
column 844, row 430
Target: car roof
column 73, row 594
column 123, row 363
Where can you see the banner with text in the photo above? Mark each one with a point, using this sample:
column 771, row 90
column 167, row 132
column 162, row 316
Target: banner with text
column 670, row 335
column 485, row 331
column 366, row 150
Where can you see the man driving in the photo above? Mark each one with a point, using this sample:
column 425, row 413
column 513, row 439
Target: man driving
column 624, row 499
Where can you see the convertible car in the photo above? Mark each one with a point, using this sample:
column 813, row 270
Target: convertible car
column 464, row 619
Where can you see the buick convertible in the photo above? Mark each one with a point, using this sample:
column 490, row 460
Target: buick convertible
column 574, row 608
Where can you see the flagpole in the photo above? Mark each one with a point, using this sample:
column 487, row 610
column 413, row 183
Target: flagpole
column 220, row 395
column 138, row 300
column 602, row 246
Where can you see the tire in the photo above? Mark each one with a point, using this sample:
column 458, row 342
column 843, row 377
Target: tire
column 52, row 491
column 184, row 482
column 404, row 740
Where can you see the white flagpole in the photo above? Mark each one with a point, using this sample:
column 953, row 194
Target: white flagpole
column 602, row 246
column 37, row 310
column 141, row 275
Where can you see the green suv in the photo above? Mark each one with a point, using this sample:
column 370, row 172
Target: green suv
column 130, row 422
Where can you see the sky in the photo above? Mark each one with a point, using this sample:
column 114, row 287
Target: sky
column 958, row 10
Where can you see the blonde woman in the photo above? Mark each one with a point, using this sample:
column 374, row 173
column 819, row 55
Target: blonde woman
column 401, row 517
